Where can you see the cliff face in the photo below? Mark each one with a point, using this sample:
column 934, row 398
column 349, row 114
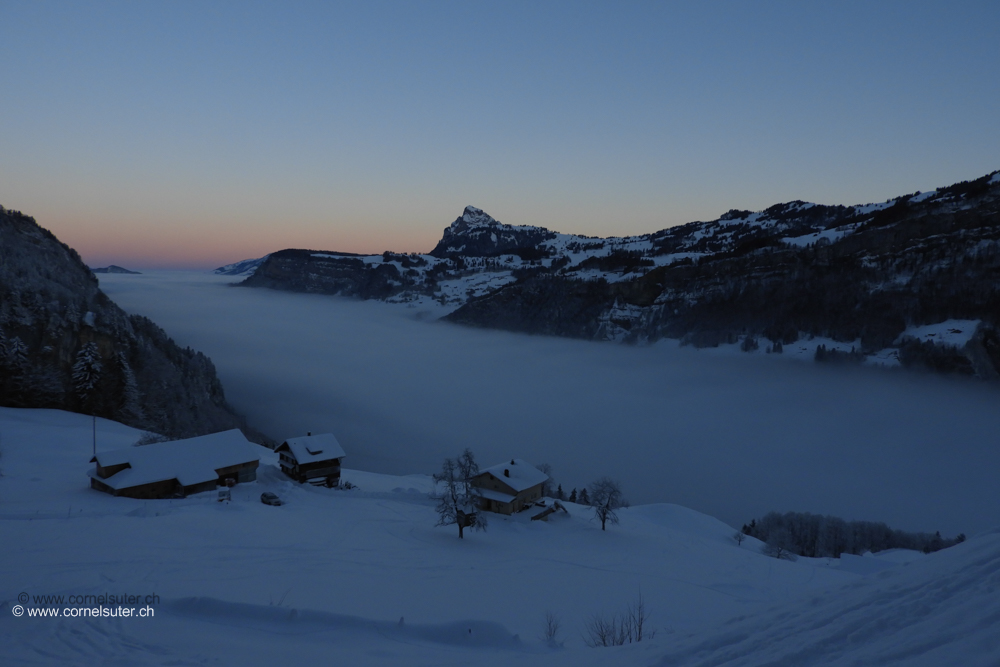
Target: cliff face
column 64, row 344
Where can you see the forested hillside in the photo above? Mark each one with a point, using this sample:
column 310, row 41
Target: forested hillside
column 64, row 344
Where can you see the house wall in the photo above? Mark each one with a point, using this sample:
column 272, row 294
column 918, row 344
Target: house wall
column 328, row 468
column 210, row 485
column 243, row 472
column 490, row 481
column 523, row 499
column 305, row 471
column 100, row 486
column 163, row 489
column 530, row 495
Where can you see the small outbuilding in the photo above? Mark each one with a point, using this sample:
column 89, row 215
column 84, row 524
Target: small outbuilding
column 312, row 458
column 509, row 487
column 176, row 468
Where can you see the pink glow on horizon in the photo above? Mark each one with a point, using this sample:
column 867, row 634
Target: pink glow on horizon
column 189, row 247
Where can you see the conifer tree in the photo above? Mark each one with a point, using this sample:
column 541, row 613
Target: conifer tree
column 87, row 371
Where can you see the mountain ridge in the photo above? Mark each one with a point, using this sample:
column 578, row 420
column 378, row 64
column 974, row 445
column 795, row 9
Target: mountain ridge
column 857, row 275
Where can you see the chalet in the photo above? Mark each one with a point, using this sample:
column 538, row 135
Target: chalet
column 176, row 468
column 509, row 487
column 312, row 458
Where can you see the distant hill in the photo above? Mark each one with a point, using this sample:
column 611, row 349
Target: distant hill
column 242, row 268
column 864, row 278
column 114, row 269
column 64, row 344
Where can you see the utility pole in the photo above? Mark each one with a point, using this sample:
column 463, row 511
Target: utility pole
column 95, row 435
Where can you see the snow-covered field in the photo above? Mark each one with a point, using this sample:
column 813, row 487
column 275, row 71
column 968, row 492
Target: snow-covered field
column 364, row 577
column 725, row 433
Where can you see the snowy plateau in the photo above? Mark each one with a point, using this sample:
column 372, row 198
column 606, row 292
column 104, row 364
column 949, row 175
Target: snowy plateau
column 363, row 577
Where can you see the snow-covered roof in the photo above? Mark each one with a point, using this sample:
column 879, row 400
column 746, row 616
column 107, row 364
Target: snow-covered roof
column 312, row 448
column 498, row 496
column 521, row 474
column 190, row 461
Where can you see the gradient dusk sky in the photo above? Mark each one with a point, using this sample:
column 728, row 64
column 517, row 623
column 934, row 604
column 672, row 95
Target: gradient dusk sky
column 193, row 134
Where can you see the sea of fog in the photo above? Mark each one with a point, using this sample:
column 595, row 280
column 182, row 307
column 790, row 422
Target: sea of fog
column 731, row 436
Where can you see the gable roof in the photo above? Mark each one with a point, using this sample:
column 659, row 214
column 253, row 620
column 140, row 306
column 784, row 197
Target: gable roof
column 190, row 461
column 312, row 448
column 522, row 475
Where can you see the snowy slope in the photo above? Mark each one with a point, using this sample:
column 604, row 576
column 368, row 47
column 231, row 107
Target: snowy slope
column 942, row 610
column 365, row 576
column 244, row 267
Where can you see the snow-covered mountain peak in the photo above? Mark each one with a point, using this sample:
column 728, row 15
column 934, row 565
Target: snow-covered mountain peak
column 478, row 234
column 475, row 217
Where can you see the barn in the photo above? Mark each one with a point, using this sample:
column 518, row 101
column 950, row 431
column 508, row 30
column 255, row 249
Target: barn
column 176, row 468
column 312, row 458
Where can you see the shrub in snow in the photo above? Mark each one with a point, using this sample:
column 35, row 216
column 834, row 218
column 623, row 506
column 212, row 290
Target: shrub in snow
column 618, row 629
column 550, row 632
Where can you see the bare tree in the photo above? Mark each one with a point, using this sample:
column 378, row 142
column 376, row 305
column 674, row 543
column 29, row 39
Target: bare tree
column 779, row 545
column 459, row 500
column 739, row 536
column 552, row 627
column 606, row 498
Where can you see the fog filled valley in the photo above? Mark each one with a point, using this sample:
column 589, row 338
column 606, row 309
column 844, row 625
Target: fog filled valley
column 729, row 435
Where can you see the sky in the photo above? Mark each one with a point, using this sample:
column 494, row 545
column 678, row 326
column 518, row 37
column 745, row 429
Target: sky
column 193, row 134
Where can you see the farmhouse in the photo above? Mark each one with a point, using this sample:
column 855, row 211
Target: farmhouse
column 509, row 487
column 176, row 468
column 312, row 458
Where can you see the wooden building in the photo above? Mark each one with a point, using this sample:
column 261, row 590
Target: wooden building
column 509, row 487
column 176, row 468
column 312, row 458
